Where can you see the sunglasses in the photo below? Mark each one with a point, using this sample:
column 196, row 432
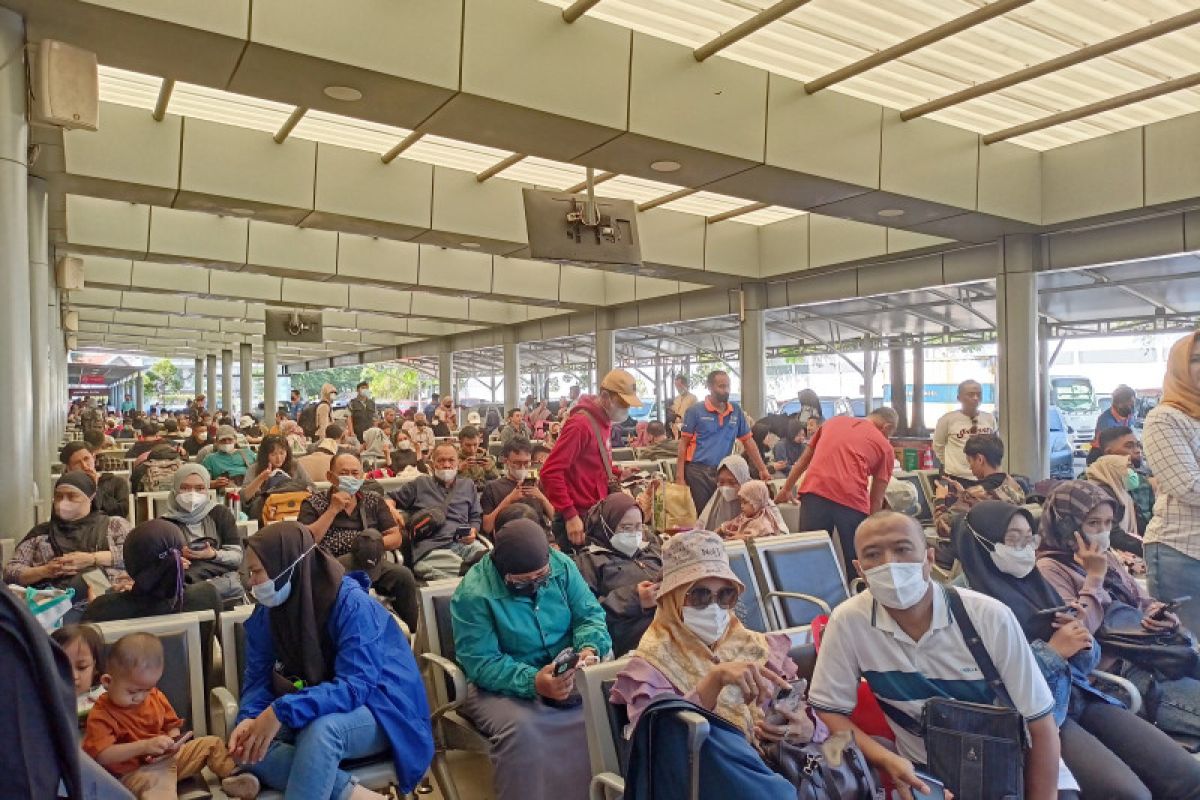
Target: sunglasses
column 700, row 597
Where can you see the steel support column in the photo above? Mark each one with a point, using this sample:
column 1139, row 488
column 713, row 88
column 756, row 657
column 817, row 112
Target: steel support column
column 246, row 383
column 227, row 382
column 39, row 341
column 1017, row 349
column 270, row 380
column 753, row 350
column 512, row 373
column 210, row 387
column 446, row 375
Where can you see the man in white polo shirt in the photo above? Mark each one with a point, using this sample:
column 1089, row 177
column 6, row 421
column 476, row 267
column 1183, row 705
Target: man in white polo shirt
column 955, row 427
column 901, row 637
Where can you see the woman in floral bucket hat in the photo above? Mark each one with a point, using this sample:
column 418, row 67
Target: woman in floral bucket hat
column 696, row 648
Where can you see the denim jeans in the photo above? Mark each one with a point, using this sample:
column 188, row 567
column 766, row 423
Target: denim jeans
column 303, row 764
column 1171, row 574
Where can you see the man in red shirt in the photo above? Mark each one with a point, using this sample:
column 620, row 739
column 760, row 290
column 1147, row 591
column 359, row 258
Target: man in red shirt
column 836, row 465
column 578, row 470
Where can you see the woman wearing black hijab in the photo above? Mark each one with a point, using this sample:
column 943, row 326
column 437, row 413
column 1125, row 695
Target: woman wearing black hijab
column 622, row 565
column 1111, row 752
column 78, row 542
column 328, row 676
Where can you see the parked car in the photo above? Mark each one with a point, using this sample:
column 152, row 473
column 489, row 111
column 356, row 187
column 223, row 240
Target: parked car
column 830, row 407
column 858, row 405
column 1062, row 454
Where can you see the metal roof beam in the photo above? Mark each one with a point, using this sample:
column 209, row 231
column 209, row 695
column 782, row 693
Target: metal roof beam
column 964, row 306
column 1053, row 65
column 577, row 10
column 1103, row 280
column 1091, row 109
column 405, row 143
column 735, row 212
column 290, row 123
column 500, row 166
column 601, row 178
column 747, row 27
column 943, row 31
column 164, row 99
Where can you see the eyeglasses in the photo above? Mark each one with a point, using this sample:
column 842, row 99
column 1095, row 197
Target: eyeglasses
column 700, row 597
column 529, row 586
column 630, row 529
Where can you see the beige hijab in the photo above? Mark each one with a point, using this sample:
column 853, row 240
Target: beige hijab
column 1111, row 471
column 670, row 647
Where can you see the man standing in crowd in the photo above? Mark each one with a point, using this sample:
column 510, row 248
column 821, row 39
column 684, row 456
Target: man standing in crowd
column 837, row 464
column 660, row 446
column 514, row 427
column 198, row 410
column 1119, row 414
column 955, row 427
column 432, row 405
column 128, row 407
column 517, row 485
column 578, row 472
column 296, row 405
column 709, row 431
column 684, row 399
column 362, row 411
column 902, row 636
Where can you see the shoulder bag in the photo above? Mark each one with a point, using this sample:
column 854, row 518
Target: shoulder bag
column 976, row 749
column 614, row 485
column 1170, row 655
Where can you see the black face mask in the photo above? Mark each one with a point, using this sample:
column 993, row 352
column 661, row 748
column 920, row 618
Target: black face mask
column 528, row 588
column 721, row 397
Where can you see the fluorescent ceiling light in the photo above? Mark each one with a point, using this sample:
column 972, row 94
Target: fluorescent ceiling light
column 214, row 105
column 359, row 134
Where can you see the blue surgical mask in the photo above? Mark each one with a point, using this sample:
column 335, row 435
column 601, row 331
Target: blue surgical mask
column 266, row 594
column 349, row 484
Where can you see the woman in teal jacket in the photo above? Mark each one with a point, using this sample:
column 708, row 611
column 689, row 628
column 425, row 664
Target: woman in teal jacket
column 329, row 675
column 513, row 613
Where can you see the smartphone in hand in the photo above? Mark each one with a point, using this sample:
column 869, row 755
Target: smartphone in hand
column 180, row 740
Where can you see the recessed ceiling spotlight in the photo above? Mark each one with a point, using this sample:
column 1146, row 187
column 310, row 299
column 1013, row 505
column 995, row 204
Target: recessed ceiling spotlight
column 469, row 244
column 346, row 94
column 665, row 166
column 891, row 212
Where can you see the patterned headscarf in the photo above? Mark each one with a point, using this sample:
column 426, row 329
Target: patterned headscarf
column 1066, row 508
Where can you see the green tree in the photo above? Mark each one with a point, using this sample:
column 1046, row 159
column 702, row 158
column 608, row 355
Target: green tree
column 391, row 381
column 164, row 379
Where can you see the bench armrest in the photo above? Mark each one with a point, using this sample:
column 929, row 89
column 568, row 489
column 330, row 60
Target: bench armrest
column 598, row 789
column 457, row 678
column 222, row 711
column 1135, row 697
column 802, row 596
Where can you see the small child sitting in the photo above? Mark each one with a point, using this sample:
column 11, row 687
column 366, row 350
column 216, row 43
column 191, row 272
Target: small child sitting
column 132, row 729
column 760, row 516
column 83, row 647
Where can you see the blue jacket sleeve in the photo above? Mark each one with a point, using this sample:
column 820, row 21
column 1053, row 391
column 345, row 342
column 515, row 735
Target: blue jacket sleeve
column 358, row 624
column 1057, row 673
column 477, row 649
column 260, row 660
column 588, row 625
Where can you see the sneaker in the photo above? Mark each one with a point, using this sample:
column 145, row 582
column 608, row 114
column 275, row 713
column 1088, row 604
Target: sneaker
column 242, row 786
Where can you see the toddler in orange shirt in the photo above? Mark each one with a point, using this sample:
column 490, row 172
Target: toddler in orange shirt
column 132, row 729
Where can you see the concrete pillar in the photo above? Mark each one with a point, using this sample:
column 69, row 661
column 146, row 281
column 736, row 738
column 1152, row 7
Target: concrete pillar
column 870, row 358
column 246, row 385
column 227, row 381
column 753, row 350
column 606, row 353
column 39, row 343
column 1044, row 394
column 198, row 376
column 210, row 384
column 446, row 375
column 512, row 373
column 896, row 369
column 270, row 380
column 918, row 404
column 16, row 436
column 1017, row 348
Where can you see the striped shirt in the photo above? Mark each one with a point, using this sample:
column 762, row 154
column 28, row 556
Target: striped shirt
column 1172, row 442
column 863, row 641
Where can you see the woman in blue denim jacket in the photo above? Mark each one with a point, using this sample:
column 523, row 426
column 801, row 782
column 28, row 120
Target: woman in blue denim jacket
column 1112, row 752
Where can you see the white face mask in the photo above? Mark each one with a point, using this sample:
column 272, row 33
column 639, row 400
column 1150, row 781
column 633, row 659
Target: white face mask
column 898, row 585
column 708, row 623
column 627, row 542
column 226, row 448
column 617, row 413
column 190, row 501
column 1101, row 540
column 728, row 493
column 518, row 475
column 404, row 445
column 446, row 475
column 71, row 510
column 1015, row 561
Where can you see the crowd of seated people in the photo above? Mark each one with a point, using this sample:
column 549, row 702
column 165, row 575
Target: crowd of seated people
column 552, row 554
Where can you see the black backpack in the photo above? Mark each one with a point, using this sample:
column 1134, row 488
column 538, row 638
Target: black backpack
column 308, row 419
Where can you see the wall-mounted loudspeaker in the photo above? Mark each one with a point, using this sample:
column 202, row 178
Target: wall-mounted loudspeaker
column 64, row 89
column 68, row 273
column 72, row 341
column 70, row 321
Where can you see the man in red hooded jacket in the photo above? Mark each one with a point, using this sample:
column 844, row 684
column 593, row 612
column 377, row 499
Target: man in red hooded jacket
column 576, row 475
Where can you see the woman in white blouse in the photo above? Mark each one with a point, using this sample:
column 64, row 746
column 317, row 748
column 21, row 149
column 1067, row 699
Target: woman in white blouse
column 1172, row 445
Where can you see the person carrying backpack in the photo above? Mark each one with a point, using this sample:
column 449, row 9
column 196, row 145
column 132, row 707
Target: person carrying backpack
column 316, row 416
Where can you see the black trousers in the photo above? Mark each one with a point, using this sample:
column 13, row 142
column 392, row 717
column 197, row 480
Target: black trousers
column 818, row 513
column 397, row 584
column 701, row 479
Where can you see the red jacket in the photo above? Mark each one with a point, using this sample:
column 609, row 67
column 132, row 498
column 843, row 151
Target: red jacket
column 573, row 476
